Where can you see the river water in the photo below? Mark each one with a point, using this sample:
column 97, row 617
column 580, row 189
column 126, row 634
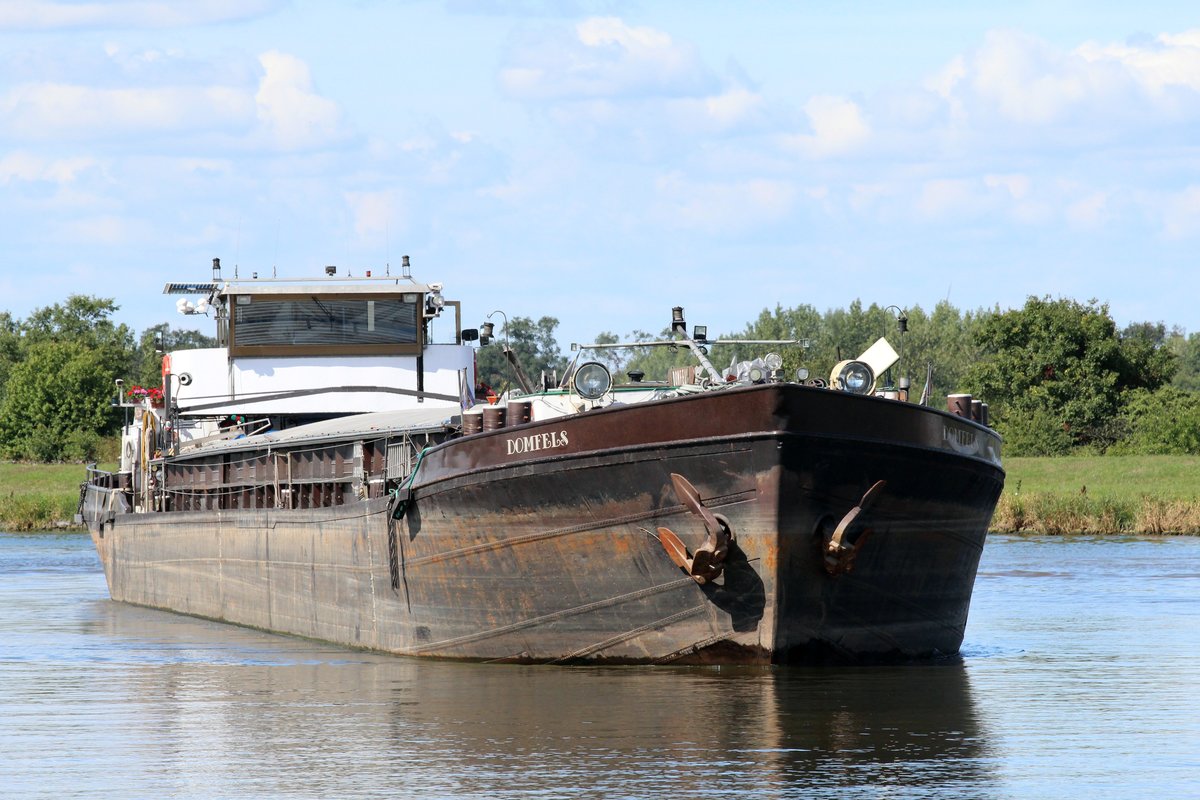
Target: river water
column 1079, row 678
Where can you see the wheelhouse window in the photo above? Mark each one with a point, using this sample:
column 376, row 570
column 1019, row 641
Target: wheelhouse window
column 295, row 325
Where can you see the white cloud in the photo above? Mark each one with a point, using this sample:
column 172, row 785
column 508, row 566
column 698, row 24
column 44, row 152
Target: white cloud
column 1090, row 211
column 375, row 213
column 523, row 81
column 532, row 179
column 1106, row 89
column 206, row 166
column 623, row 92
column 282, row 111
column 646, row 43
column 722, row 207
column 1017, row 186
column 1028, row 81
column 736, row 109
column 27, row 167
column 1012, row 94
column 47, row 15
column 602, row 57
column 946, row 197
column 993, row 201
column 838, row 127
column 107, row 230
column 73, row 112
column 1170, row 60
column 294, row 116
column 945, row 81
column 989, row 199
column 733, row 106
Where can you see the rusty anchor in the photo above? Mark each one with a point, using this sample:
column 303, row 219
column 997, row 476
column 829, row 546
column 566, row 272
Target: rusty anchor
column 707, row 563
column 839, row 551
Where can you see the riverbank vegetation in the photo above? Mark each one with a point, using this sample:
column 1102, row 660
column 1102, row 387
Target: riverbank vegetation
column 1100, row 495
column 38, row 497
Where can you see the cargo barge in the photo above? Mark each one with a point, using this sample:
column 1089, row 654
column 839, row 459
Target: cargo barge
column 330, row 471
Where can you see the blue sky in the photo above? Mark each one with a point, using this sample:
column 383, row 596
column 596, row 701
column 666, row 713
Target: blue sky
column 603, row 161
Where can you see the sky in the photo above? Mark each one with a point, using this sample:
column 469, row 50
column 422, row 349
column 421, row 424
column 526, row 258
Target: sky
column 601, row 162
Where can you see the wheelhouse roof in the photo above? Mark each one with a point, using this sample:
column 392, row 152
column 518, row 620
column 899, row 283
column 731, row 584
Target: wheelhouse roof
column 273, row 286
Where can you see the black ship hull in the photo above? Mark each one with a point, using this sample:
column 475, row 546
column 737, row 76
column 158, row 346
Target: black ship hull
column 541, row 542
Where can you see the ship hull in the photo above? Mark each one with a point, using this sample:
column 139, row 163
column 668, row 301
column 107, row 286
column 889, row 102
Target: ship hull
column 540, row 543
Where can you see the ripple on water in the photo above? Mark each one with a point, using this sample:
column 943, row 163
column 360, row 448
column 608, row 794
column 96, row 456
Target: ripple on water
column 1078, row 678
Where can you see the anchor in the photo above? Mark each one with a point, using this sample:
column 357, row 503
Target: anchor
column 707, row 563
column 840, row 552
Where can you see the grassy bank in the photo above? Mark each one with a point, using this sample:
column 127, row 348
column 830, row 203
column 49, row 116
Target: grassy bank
column 1101, row 495
column 1085, row 494
column 37, row 497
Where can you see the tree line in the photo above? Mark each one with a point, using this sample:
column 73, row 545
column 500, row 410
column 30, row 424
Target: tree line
column 1059, row 376
column 57, row 372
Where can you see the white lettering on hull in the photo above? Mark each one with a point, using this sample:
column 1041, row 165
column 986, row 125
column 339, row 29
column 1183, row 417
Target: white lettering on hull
column 960, row 440
column 520, row 445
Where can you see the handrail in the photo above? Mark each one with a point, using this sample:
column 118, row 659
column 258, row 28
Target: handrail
column 92, row 469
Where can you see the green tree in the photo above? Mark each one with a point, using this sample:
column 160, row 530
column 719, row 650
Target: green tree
column 615, row 358
column 535, row 347
column 58, row 367
column 850, row 331
column 941, row 342
column 10, row 348
column 1162, row 422
column 801, row 323
column 656, row 362
column 941, row 339
column 1148, row 360
column 1053, row 374
column 1187, row 357
column 58, row 402
column 81, row 319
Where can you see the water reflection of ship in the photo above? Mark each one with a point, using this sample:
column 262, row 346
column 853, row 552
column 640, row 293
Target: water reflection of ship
column 686, row 732
column 278, row 708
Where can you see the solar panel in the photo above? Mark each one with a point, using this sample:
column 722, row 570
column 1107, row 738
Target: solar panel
column 189, row 288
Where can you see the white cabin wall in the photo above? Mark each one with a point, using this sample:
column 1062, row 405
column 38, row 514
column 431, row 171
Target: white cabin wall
column 208, row 369
column 213, row 376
